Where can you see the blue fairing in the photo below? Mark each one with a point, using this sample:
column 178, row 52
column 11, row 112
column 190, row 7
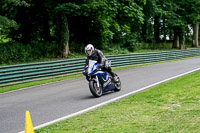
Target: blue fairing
column 105, row 80
column 103, row 76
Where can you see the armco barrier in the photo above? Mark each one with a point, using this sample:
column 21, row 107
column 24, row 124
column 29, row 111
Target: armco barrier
column 14, row 74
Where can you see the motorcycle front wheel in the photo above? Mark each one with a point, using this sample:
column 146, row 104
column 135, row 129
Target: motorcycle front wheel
column 94, row 89
column 117, row 85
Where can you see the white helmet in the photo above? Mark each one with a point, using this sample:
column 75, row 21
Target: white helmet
column 89, row 49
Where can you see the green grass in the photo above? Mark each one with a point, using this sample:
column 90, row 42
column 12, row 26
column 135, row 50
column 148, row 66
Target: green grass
column 171, row 107
column 40, row 82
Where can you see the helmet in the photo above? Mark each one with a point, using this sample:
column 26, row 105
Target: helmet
column 89, row 49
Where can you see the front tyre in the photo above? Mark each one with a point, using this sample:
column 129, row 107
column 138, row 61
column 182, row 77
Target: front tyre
column 117, row 84
column 96, row 91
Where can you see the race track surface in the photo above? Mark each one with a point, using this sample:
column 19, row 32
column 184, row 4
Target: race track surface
column 56, row 100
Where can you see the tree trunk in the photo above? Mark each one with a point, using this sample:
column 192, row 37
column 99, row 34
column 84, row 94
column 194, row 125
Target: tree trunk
column 182, row 38
column 195, row 42
column 63, row 35
column 182, row 44
column 157, row 28
column 66, row 51
column 176, row 41
column 164, row 29
column 176, row 38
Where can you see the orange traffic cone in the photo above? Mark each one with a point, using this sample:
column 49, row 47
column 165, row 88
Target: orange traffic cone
column 28, row 123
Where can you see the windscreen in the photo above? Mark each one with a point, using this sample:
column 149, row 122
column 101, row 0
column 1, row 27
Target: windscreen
column 91, row 64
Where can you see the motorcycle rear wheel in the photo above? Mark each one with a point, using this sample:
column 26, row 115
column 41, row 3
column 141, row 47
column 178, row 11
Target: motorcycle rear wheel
column 96, row 91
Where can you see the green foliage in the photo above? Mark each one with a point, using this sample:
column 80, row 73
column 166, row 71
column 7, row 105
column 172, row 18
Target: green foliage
column 17, row 2
column 14, row 52
column 130, row 42
column 77, row 48
column 7, row 14
column 7, row 23
column 68, row 9
column 124, row 24
column 156, row 46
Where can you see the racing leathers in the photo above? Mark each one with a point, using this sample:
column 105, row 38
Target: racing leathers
column 98, row 56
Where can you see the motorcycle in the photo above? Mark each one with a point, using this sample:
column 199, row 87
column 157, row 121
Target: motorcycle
column 100, row 81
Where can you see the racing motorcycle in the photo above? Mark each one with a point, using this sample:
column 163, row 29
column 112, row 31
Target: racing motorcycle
column 100, row 81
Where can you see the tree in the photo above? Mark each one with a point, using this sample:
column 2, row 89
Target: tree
column 7, row 21
column 154, row 11
column 196, row 35
column 126, row 20
column 63, row 34
column 194, row 18
column 6, row 9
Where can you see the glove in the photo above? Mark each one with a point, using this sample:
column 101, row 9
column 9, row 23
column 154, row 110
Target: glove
column 107, row 64
column 99, row 66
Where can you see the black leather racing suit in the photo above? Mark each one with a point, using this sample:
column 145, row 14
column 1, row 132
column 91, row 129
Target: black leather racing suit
column 98, row 56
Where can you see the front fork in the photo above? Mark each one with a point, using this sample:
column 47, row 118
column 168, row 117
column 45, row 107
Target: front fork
column 97, row 80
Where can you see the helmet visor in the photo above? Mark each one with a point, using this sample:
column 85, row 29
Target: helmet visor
column 88, row 52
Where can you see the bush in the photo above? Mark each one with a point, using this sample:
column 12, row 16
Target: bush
column 44, row 50
column 128, row 41
column 156, row 46
column 131, row 44
column 76, row 48
column 14, row 52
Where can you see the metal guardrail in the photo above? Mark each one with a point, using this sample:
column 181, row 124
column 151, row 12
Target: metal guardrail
column 33, row 71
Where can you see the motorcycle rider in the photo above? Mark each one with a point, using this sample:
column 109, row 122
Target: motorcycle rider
column 97, row 55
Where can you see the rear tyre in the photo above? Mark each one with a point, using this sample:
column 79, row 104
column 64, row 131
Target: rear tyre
column 96, row 91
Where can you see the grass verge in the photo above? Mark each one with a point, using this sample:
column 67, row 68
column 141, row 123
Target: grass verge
column 45, row 81
column 171, row 107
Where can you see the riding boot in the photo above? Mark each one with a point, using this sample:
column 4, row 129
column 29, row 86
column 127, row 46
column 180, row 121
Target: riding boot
column 109, row 70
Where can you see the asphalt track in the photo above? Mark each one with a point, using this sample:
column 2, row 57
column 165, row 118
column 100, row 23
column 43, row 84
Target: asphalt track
column 60, row 100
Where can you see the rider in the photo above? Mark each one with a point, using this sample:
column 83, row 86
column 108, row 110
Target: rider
column 97, row 55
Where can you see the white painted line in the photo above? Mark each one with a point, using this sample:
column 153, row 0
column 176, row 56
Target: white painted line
column 112, row 100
